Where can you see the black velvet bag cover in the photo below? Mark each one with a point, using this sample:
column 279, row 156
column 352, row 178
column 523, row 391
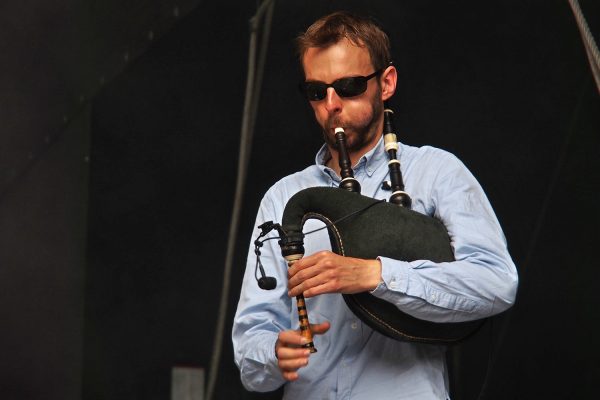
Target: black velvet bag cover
column 385, row 230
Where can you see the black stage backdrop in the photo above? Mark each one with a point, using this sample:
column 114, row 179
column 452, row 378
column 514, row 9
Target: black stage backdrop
column 505, row 85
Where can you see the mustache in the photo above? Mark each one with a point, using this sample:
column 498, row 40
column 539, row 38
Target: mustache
column 333, row 123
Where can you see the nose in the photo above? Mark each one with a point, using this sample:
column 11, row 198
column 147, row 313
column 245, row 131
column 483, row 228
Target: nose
column 333, row 103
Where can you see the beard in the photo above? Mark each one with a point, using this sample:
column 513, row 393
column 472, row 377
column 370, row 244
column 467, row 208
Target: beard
column 358, row 134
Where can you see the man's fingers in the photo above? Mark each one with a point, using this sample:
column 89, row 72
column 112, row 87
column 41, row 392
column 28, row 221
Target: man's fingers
column 286, row 353
column 291, row 356
column 327, row 272
column 304, row 263
column 293, row 364
column 309, row 287
column 321, row 328
column 291, row 338
column 290, row 375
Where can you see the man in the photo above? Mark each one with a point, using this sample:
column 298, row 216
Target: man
column 353, row 361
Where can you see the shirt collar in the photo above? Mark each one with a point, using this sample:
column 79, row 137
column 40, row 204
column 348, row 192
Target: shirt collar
column 372, row 160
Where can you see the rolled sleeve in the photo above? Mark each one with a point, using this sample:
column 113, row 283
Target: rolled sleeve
column 482, row 281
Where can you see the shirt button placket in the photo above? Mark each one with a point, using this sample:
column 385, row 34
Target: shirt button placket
column 345, row 379
column 346, row 372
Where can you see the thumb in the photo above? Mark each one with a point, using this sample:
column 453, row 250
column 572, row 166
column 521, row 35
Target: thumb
column 321, row 328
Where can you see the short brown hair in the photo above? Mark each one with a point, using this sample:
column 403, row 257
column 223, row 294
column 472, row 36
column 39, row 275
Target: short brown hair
column 361, row 31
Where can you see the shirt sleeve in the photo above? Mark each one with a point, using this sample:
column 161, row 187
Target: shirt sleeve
column 482, row 281
column 261, row 314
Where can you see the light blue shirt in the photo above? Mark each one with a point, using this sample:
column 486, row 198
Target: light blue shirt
column 353, row 361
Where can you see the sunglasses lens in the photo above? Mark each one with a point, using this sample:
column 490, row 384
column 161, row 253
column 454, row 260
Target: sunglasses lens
column 350, row 87
column 345, row 87
column 315, row 91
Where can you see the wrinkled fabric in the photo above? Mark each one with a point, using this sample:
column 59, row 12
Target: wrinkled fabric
column 353, row 361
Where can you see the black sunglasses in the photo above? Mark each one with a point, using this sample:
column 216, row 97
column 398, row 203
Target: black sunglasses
column 344, row 87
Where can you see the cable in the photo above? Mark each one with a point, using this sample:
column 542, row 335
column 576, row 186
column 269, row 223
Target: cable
column 248, row 118
column 588, row 41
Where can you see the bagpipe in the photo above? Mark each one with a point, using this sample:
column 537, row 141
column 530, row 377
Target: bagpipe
column 362, row 227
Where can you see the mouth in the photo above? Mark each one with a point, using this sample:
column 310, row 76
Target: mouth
column 335, row 122
column 331, row 128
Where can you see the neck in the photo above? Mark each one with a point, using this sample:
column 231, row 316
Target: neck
column 354, row 155
column 334, row 160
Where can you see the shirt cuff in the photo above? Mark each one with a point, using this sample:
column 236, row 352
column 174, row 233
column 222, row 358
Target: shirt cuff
column 259, row 369
column 394, row 276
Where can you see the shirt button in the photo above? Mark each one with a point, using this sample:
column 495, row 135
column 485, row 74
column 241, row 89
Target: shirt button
column 354, row 325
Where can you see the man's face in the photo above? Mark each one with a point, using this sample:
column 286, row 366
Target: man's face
column 360, row 116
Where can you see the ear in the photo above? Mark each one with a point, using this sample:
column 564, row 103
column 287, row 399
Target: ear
column 388, row 81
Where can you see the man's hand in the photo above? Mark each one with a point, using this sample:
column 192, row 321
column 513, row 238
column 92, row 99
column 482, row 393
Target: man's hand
column 289, row 353
column 327, row 272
